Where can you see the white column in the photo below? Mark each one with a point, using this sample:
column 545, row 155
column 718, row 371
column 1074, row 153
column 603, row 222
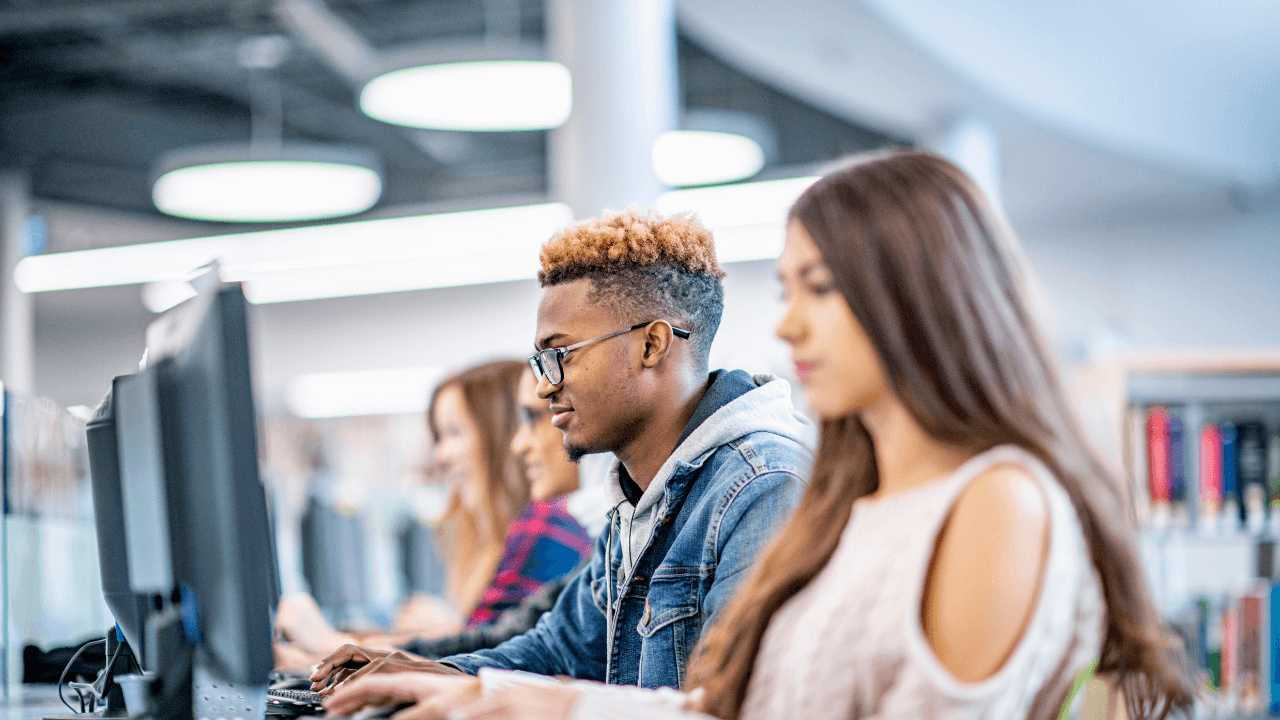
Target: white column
column 974, row 145
column 622, row 57
column 17, row 345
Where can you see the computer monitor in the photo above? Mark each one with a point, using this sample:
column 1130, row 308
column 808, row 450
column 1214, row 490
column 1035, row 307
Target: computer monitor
column 186, row 549
column 127, row 607
column 219, row 529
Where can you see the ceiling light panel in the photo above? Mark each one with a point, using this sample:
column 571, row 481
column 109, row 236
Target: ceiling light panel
column 265, row 183
column 494, row 95
column 267, row 191
column 699, row 157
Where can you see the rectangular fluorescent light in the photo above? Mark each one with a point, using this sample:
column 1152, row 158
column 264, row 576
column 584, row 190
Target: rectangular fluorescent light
column 407, row 253
column 367, row 392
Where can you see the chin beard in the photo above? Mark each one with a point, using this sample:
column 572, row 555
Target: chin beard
column 575, row 452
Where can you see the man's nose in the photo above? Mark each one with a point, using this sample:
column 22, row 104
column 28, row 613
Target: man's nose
column 545, row 389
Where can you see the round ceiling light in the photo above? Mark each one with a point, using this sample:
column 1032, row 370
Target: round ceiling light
column 700, row 157
column 242, row 183
column 490, row 95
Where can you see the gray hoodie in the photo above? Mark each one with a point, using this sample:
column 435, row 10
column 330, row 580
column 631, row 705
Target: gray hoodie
column 766, row 408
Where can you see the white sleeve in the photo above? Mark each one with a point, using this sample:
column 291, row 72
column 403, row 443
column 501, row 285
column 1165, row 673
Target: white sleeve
column 603, row 702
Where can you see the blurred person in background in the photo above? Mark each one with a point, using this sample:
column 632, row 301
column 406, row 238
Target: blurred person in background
column 709, row 463
column 498, row 544
column 553, row 478
column 959, row 552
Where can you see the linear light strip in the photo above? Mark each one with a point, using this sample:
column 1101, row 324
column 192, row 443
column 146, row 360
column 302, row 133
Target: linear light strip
column 245, row 256
column 409, row 253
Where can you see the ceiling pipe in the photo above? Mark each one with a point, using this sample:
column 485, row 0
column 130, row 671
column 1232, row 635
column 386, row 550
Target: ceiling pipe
column 333, row 41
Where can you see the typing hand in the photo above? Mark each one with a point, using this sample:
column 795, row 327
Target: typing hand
column 342, row 663
column 352, row 662
column 427, row 697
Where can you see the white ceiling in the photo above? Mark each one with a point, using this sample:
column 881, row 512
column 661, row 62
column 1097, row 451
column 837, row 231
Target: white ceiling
column 1192, row 83
column 1096, row 105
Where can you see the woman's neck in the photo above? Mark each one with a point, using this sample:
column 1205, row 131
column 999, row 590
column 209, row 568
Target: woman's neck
column 907, row 456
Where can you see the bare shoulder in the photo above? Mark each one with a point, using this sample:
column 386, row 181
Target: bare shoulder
column 1004, row 493
column 986, row 572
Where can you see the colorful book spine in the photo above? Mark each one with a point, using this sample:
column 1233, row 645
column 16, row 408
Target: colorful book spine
column 1230, row 643
column 1211, row 640
column 1249, row 663
column 1210, row 472
column 1251, row 464
column 1177, row 461
column 1274, row 650
column 1230, row 486
column 1158, row 454
column 1233, row 508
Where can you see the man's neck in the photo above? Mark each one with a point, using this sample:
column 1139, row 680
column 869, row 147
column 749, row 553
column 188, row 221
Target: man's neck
column 657, row 436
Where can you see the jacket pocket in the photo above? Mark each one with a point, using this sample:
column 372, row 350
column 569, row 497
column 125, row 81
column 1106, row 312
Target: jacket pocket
column 661, row 611
column 669, row 628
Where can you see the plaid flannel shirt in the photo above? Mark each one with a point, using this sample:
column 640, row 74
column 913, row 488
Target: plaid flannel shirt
column 543, row 544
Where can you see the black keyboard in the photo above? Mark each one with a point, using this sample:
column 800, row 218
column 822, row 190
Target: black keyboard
column 294, row 702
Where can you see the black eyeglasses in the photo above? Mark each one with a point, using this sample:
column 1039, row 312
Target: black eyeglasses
column 546, row 363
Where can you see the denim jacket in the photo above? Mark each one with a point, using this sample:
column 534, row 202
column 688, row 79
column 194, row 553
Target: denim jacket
column 632, row 618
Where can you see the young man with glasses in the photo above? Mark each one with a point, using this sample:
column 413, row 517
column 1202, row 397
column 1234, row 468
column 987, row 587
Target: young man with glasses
column 709, row 463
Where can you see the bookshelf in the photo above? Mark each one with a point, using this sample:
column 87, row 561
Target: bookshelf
column 1196, row 437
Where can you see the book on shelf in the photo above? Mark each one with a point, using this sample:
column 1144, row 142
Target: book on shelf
column 1233, row 482
column 1158, row 485
column 1177, row 471
column 1232, row 512
column 1251, row 446
column 1210, row 474
column 1229, row 642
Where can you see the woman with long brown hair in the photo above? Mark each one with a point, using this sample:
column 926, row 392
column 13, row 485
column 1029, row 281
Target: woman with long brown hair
column 959, row 551
column 472, row 418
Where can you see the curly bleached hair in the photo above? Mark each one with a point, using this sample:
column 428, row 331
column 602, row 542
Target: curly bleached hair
column 644, row 266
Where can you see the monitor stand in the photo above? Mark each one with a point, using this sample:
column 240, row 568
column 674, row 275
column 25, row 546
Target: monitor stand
column 105, row 690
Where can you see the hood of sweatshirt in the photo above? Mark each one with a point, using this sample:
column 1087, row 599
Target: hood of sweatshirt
column 765, row 408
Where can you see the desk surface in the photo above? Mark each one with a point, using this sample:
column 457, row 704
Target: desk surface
column 32, row 702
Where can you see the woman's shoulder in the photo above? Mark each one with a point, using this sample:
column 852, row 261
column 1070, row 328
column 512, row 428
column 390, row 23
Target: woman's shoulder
column 987, row 568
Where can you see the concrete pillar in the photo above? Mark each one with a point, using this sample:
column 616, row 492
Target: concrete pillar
column 622, row 57
column 17, row 344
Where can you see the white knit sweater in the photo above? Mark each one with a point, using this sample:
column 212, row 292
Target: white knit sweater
column 851, row 645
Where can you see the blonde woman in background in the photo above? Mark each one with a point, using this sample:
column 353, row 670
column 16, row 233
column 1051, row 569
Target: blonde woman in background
column 498, row 545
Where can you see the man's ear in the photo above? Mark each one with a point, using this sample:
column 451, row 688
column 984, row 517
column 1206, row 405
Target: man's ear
column 657, row 343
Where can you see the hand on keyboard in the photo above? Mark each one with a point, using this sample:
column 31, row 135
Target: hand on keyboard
column 351, row 662
column 424, row 695
column 291, row 703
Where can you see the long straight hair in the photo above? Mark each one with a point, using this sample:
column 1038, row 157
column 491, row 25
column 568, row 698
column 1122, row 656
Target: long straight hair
column 474, row 539
column 935, row 277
